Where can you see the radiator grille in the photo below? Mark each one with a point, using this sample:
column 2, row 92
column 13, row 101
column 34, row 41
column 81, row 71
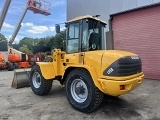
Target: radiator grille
column 124, row 67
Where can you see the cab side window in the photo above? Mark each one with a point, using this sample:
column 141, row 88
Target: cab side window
column 73, row 38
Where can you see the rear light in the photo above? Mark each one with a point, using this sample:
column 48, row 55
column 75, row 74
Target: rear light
column 121, row 87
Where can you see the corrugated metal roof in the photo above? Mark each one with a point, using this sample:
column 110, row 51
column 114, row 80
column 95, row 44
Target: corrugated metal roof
column 86, row 16
column 138, row 8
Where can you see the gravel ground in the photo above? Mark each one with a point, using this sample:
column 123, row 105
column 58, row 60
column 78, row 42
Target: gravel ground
column 22, row 104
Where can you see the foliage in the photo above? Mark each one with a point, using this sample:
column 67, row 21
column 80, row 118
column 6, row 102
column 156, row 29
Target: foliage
column 58, row 41
column 44, row 42
column 29, row 42
column 3, row 39
column 25, row 49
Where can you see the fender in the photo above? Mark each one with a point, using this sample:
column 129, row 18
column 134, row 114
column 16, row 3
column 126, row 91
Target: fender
column 47, row 70
column 92, row 72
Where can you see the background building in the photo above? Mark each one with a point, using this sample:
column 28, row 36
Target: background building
column 133, row 25
column 103, row 7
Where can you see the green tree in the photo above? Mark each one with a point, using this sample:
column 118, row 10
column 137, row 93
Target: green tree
column 42, row 42
column 29, row 42
column 58, row 41
column 25, row 49
column 45, row 41
column 3, row 39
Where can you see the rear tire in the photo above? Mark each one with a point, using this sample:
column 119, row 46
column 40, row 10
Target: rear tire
column 16, row 66
column 39, row 85
column 10, row 66
column 81, row 92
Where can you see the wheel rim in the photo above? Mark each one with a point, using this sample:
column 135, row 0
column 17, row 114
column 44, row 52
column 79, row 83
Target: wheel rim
column 79, row 90
column 36, row 79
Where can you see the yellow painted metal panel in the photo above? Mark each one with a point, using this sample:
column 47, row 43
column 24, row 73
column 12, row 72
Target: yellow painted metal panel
column 112, row 87
column 47, row 70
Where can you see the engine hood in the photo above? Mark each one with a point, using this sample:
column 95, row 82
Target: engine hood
column 111, row 56
column 102, row 59
column 120, row 63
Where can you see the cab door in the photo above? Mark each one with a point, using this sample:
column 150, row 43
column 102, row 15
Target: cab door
column 73, row 47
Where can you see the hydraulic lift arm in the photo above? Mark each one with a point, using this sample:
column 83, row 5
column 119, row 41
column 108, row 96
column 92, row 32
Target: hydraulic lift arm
column 18, row 26
column 37, row 6
column 4, row 12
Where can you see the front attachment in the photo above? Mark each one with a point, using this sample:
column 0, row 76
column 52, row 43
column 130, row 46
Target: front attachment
column 21, row 78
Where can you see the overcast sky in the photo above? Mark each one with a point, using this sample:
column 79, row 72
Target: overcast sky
column 33, row 25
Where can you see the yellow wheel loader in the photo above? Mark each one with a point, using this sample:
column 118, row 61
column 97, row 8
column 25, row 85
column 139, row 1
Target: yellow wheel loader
column 85, row 68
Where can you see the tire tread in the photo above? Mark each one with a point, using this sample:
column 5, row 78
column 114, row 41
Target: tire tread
column 46, row 85
column 98, row 95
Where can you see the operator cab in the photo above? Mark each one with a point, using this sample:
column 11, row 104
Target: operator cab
column 85, row 33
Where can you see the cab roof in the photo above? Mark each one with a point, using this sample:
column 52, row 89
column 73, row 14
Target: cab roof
column 84, row 17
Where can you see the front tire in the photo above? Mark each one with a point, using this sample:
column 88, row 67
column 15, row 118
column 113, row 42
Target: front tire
column 39, row 85
column 81, row 92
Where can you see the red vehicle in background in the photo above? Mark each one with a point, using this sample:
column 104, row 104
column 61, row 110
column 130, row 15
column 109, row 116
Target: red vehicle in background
column 2, row 61
column 17, row 59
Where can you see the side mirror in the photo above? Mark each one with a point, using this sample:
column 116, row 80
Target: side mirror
column 66, row 25
column 57, row 28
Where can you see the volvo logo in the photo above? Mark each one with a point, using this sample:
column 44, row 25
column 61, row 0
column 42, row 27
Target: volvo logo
column 135, row 57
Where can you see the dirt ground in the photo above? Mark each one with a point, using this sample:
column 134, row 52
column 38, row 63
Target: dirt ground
column 21, row 104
